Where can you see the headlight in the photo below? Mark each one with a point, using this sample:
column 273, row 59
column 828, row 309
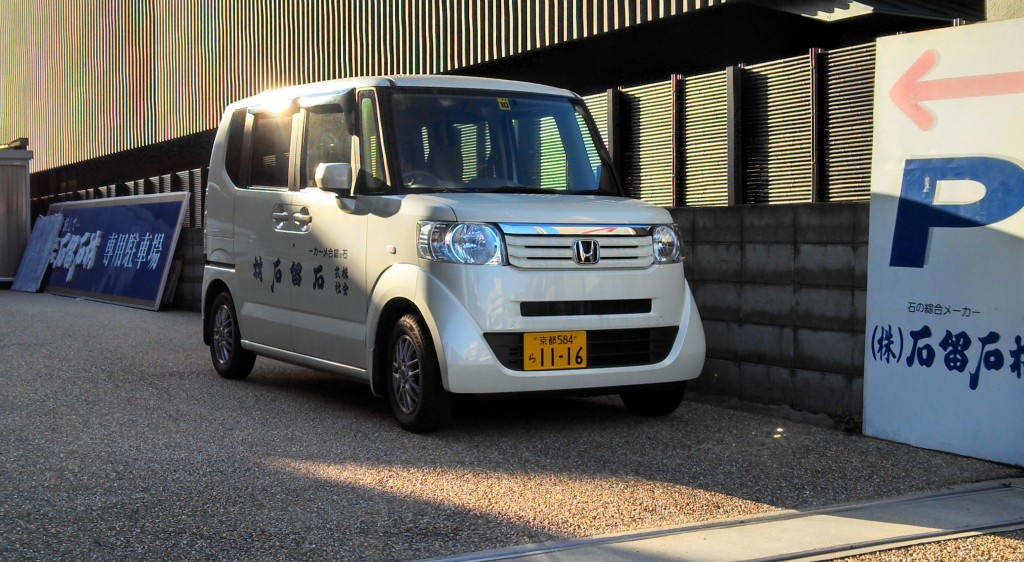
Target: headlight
column 461, row 242
column 667, row 248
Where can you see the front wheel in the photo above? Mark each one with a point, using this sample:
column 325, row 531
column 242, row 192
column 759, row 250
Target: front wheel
column 417, row 396
column 229, row 359
column 654, row 399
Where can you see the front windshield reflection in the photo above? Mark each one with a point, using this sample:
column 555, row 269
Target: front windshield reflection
column 495, row 142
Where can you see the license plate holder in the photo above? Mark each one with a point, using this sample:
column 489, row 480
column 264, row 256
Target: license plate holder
column 544, row 351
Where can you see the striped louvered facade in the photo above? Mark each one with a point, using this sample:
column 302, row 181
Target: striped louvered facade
column 89, row 78
column 92, row 81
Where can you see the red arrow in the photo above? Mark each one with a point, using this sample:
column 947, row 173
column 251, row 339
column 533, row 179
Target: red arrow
column 909, row 91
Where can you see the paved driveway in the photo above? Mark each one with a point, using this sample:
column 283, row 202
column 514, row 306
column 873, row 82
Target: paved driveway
column 118, row 441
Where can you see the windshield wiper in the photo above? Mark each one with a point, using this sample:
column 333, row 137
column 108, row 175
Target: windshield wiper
column 508, row 189
column 516, row 189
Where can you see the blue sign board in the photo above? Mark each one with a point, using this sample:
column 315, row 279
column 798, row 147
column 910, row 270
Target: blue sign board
column 117, row 250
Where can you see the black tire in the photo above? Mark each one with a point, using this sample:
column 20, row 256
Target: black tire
column 415, row 392
column 654, row 399
column 229, row 359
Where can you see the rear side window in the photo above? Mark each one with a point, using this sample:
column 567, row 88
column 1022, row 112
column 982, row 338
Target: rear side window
column 233, row 158
column 475, row 145
column 544, row 140
column 372, row 164
column 552, row 169
column 271, row 142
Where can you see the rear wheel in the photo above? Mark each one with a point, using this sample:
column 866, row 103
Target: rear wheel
column 415, row 392
column 654, row 399
column 229, row 359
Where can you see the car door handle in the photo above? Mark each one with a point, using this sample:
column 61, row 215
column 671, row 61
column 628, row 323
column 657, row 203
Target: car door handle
column 281, row 216
column 302, row 219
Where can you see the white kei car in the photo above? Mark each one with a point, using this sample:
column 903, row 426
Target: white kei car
column 439, row 235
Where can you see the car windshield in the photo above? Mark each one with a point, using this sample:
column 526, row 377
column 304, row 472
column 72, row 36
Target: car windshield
column 494, row 142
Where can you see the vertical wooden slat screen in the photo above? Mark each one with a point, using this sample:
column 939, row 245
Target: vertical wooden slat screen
column 705, row 128
column 598, row 106
column 777, row 134
column 198, row 203
column 649, row 161
column 848, row 116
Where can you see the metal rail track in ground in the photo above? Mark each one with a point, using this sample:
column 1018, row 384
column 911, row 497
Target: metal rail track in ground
column 805, row 535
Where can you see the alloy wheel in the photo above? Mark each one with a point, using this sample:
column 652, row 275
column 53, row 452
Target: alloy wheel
column 405, row 373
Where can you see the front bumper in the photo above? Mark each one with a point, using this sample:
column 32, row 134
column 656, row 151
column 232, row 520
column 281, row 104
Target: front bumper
column 474, row 332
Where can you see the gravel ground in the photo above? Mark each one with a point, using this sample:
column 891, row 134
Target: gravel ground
column 1004, row 546
column 118, row 441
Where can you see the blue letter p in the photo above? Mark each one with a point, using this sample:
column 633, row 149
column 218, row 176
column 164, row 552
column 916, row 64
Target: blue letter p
column 917, row 212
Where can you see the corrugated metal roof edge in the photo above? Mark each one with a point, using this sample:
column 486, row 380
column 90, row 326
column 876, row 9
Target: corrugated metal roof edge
column 946, row 10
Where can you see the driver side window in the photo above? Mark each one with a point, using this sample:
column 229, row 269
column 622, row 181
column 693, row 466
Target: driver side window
column 327, row 142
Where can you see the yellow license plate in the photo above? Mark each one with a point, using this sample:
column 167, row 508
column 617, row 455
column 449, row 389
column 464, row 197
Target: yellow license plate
column 554, row 350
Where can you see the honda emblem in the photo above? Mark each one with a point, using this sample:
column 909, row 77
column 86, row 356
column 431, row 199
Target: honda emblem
column 586, row 252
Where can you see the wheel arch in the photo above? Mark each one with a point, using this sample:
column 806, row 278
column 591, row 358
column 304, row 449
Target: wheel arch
column 212, row 290
column 386, row 320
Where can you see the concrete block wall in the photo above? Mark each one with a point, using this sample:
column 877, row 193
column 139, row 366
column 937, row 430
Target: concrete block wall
column 781, row 290
column 188, row 294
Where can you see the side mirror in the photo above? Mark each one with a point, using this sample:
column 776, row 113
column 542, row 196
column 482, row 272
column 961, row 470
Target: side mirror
column 335, row 176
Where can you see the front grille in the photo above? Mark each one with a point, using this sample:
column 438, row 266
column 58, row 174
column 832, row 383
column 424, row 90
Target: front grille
column 537, row 246
column 605, row 348
column 585, row 308
column 555, row 252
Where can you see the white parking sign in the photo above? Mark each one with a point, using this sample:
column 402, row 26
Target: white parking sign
column 945, row 316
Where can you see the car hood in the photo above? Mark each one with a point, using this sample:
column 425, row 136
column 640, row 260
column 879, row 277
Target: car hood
column 543, row 208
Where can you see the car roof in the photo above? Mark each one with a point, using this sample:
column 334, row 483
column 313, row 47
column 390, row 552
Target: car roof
column 288, row 94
